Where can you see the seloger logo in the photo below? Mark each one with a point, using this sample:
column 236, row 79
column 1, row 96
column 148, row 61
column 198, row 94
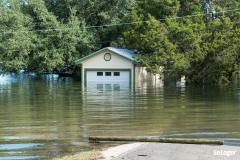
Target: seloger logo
column 224, row 153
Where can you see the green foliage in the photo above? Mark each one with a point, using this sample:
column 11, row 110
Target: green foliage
column 46, row 53
column 15, row 44
column 60, row 8
column 225, row 5
column 206, row 50
column 98, row 13
column 45, row 35
column 186, row 35
column 56, row 44
column 150, row 40
column 95, row 13
column 222, row 49
column 159, row 8
column 190, row 7
column 75, row 40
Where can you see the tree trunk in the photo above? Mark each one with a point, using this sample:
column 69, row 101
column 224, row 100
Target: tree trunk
column 159, row 140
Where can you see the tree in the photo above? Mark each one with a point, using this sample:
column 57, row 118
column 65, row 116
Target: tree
column 46, row 35
column 76, row 40
column 190, row 7
column 106, row 14
column 15, row 44
column 222, row 52
column 95, row 13
column 56, row 44
column 223, row 5
column 62, row 9
column 46, row 53
column 159, row 8
column 217, row 60
column 187, row 36
column 149, row 39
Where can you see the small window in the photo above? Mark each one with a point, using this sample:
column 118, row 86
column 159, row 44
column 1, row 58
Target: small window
column 99, row 73
column 108, row 73
column 116, row 73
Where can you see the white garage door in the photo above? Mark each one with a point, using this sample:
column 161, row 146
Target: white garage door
column 108, row 76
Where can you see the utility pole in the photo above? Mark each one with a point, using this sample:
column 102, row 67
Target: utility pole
column 209, row 8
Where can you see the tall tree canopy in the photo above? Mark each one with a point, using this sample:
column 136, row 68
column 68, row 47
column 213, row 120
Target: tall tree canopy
column 198, row 38
column 151, row 43
column 159, row 8
column 15, row 44
column 57, row 44
column 203, row 42
column 96, row 13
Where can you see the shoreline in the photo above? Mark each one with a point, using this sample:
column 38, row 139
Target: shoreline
column 167, row 151
column 114, row 152
column 170, row 151
column 104, row 154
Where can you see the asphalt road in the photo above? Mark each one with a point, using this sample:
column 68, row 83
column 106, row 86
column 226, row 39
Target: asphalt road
column 165, row 151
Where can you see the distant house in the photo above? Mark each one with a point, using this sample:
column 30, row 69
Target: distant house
column 113, row 65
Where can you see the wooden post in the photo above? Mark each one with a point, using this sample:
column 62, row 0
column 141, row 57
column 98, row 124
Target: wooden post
column 159, row 140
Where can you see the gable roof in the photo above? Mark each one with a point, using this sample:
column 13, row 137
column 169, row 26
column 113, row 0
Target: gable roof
column 125, row 53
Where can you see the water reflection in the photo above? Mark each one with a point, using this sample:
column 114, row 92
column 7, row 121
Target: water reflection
column 108, row 87
column 7, row 79
column 116, row 87
column 100, row 87
column 50, row 116
column 17, row 146
column 238, row 94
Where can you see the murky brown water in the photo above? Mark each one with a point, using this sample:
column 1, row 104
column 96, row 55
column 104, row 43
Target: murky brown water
column 47, row 117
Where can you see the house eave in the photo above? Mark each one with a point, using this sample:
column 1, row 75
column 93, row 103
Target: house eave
column 80, row 61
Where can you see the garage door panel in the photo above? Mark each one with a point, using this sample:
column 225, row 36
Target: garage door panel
column 108, row 76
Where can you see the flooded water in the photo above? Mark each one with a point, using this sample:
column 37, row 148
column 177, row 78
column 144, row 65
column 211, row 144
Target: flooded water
column 46, row 117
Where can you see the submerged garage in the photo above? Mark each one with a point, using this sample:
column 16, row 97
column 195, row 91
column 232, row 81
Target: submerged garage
column 108, row 76
column 108, row 66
